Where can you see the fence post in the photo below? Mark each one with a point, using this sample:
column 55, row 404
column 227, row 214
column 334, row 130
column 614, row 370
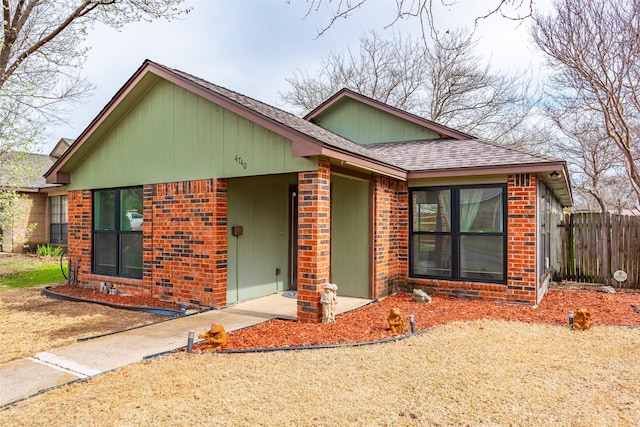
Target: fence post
column 571, row 260
column 606, row 247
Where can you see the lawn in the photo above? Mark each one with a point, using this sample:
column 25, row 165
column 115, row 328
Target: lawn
column 485, row 372
column 20, row 271
column 474, row 372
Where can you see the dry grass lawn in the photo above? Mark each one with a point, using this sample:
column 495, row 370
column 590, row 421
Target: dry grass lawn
column 31, row 322
column 492, row 373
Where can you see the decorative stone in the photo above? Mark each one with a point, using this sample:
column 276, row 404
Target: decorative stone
column 215, row 337
column 396, row 323
column 420, row 296
column 582, row 319
column 607, row 289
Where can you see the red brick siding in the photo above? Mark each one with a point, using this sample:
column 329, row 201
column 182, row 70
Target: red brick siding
column 185, row 245
column 390, row 235
column 184, row 242
column 521, row 254
column 79, row 233
column 521, row 246
column 314, row 240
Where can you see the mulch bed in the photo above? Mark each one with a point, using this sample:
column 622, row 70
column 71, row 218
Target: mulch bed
column 370, row 322
column 130, row 300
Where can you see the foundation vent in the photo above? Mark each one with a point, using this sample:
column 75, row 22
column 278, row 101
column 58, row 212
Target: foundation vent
column 523, row 180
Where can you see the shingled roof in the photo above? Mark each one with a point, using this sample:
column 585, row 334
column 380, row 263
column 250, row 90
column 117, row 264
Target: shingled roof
column 453, row 155
column 28, row 177
column 411, row 156
column 321, row 135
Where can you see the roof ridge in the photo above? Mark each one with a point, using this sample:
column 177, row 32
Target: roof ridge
column 194, row 77
column 410, row 141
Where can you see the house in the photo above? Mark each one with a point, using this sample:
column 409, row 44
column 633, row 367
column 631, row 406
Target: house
column 187, row 191
column 40, row 216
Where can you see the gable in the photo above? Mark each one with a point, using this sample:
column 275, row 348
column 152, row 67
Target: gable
column 165, row 125
column 365, row 124
column 168, row 134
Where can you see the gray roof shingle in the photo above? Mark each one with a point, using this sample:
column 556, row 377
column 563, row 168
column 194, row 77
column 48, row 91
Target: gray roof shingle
column 421, row 155
column 29, row 175
column 442, row 154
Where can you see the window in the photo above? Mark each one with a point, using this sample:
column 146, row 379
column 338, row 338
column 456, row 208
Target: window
column 58, row 220
column 544, row 247
column 117, row 232
column 458, row 233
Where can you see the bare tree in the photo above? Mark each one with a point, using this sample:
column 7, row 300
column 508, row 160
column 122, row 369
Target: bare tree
column 465, row 93
column 445, row 82
column 41, row 53
column 597, row 169
column 391, row 71
column 423, row 10
column 594, row 50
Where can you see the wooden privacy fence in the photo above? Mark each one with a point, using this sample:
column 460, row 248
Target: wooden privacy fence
column 595, row 245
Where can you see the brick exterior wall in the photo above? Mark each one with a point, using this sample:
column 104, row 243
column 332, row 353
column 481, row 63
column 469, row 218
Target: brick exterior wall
column 521, row 254
column 390, row 242
column 79, row 234
column 184, row 243
column 314, row 240
column 31, row 208
column 521, row 249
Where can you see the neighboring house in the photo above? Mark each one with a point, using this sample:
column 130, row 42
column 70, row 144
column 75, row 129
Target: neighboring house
column 187, row 191
column 41, row 214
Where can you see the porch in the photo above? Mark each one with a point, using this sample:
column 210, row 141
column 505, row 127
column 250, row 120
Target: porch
column 277, row 306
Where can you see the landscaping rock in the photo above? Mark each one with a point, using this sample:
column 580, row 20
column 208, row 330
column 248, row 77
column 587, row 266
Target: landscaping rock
column 420, row 296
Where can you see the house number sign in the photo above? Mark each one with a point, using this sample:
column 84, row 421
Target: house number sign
column 241, row 162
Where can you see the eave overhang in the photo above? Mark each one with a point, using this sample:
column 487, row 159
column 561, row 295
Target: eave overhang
column 554, row 174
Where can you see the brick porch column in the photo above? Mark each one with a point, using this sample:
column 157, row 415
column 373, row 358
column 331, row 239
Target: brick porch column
column 521, row 250
column 314, row 240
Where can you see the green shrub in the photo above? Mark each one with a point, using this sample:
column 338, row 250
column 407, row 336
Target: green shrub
column 48, row 250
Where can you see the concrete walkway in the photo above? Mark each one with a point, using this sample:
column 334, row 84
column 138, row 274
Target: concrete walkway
column 20, row 379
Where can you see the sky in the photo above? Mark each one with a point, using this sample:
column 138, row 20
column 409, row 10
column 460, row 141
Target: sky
column 252, row 46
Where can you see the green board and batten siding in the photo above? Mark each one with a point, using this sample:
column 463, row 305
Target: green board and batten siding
column 169, row 134
column 261, row 206
column 364, row 124
column 350, row 241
